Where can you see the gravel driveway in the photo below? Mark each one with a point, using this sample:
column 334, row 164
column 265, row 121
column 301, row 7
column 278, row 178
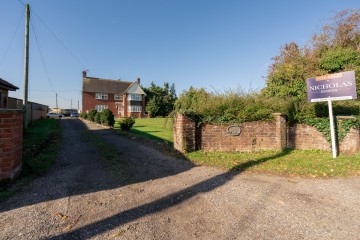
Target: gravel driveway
column 172, row 199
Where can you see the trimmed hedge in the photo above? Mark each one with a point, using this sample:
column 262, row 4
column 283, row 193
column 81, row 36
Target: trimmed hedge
column 105, row 117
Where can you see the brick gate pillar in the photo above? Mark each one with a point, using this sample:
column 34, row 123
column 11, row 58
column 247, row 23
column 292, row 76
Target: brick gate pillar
column 184, row 134
column 281, row 130
column 11, row 135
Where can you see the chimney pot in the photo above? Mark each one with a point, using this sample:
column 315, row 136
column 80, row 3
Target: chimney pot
column 84, row 73
column 138, row 81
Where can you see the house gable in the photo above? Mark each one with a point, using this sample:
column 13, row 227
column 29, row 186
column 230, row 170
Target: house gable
column 135, row 88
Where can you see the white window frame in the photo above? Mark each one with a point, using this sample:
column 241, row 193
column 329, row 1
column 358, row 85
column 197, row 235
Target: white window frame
column 117, row 97
column 101, row 96
column 134, row 97
column 101, row 108
column 134, row 108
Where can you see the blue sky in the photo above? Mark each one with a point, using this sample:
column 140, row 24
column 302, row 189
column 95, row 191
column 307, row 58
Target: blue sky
column 218, row 45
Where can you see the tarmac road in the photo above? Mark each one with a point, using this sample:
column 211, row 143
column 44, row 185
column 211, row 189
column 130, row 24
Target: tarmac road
column 169, row 198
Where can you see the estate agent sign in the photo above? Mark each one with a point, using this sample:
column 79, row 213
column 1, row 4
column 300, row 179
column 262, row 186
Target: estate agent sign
column 331, row 87
column 337, row 86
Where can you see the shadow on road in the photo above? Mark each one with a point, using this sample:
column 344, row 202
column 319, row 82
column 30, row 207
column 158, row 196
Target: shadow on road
column 161, row 204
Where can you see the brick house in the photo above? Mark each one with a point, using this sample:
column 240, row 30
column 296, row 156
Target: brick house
column 124, row 99
column 5, row 87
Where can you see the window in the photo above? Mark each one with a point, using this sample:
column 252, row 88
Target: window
column 133, row 108
column 117, row 97
column 100, row 108
column 102, row 96
column 134, row 97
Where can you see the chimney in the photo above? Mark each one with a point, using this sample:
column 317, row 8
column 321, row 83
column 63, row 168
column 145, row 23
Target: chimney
column 138, row 81
column 84, row 73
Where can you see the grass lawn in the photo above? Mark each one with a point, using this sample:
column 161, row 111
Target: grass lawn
column 159, row 129
column 289, row 162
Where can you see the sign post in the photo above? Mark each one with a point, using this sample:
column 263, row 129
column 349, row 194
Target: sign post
column 332, row 129
column 332, row 87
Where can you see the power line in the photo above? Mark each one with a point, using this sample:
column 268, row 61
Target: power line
column 58, row 39
column 41, row 56
column 56, row 91
column 12, row 39
column 22, row 3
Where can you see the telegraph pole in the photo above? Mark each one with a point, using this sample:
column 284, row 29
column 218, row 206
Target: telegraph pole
column 57, row 108
column 26, row 65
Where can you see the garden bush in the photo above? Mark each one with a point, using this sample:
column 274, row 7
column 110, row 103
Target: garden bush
column 83, row 115
column 97, row 117
column 127, row 123
column 91, row 115
column 107, row 118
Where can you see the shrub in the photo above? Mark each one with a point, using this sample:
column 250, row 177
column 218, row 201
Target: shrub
column 107, row 118
column 230, row 107
column 97, row 117
column 91, row 115
column 82, row 115
column 127, row 123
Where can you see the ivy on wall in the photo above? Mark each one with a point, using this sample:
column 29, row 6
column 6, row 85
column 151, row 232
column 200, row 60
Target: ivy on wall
column 342, row 126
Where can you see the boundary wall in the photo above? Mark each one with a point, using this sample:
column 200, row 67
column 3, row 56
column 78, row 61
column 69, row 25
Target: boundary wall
column 11, row 135
column 255, row 136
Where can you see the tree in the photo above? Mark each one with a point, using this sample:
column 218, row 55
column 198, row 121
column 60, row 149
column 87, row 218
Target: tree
column 192, row 100
column 160, row 100
column 336, row 48
column 286, row 75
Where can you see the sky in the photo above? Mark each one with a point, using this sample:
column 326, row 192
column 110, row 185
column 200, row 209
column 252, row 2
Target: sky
column 218, row 45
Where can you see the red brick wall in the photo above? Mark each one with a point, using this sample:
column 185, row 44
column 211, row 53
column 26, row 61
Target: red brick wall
column 304, row 137
column 184, row 134
column 256, row 136
column 351, row 143
column 11, row 132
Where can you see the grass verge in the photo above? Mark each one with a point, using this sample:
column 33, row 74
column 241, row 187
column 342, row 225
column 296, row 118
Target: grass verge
column 310, row 163
column 41, row 141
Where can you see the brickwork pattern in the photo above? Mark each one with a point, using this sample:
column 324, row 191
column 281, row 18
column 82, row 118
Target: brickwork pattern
column 351, row 143
column 256, row 136
column 304, row 137
column 184, row 134
column 11, row 132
